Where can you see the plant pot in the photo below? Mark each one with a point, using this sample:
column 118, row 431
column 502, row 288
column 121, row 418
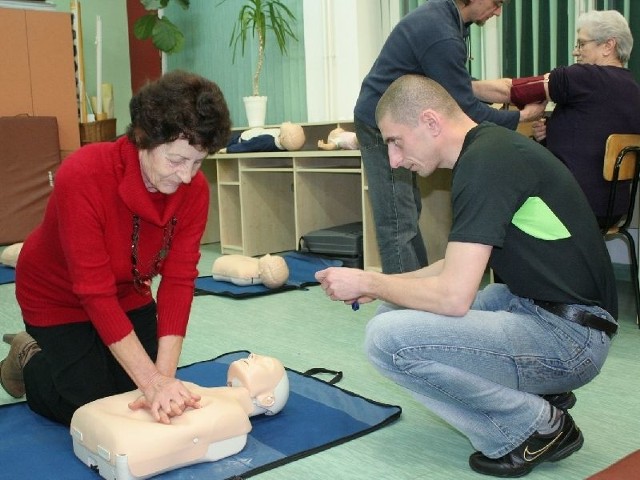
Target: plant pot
column 256, row 109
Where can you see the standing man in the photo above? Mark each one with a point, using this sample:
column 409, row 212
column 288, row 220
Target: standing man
column 492, row 363
column 429, row 41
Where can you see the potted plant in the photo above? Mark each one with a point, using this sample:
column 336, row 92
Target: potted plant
column 165, row 36
column 257, row 17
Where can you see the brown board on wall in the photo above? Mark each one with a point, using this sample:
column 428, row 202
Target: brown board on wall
column 29, row 157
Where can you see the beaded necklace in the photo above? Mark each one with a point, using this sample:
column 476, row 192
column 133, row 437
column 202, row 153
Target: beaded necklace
column 142, row 283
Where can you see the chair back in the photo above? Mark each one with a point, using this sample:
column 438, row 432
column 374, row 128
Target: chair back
column 619, row 146
column 621, row 163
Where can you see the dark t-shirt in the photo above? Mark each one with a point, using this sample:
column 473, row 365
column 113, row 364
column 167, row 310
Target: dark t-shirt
column 513, row 194
column 592, row 102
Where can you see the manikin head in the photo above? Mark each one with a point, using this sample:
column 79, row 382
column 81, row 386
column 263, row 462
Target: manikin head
column 334, row 135
column 291, row 136
column 9, row 255
column 266, row 380
column 273, row 271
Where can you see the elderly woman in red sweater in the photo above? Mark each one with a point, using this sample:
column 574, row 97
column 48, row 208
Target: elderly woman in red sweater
column 120, row 214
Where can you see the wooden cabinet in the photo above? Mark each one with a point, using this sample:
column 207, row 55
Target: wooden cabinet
column 267, row 201
column 212, row 230
column 37, row 77
column 39, row 110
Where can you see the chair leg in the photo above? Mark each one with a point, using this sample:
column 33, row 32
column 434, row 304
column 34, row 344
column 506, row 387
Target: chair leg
column 634, row 272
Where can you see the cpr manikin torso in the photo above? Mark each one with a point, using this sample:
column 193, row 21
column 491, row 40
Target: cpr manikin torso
column 130, row 444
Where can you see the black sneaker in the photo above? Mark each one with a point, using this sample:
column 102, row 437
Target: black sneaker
column 563, row 401
column 538, row 448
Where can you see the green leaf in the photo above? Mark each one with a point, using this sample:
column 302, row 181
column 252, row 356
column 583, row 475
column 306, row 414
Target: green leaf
column 143, row 28
column 167, row 37
column 258, row 16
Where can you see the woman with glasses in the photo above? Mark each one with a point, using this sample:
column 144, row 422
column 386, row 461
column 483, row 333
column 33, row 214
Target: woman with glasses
column 120, row 214
column 595, row 97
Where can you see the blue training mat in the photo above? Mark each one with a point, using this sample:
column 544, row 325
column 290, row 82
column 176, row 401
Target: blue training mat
column 317, row 416
column 7, row 274
column 302, row 270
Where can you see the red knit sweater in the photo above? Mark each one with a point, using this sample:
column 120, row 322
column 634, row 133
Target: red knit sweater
column 76, row 266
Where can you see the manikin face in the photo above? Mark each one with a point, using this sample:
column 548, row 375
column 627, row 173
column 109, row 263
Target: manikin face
column 167, row 166
column 409, row 147
column 257, row 373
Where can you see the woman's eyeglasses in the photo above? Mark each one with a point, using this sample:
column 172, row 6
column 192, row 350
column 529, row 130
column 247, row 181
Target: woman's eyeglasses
column 581, row 43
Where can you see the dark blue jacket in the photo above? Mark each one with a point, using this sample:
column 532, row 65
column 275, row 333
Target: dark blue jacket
column 428, row 41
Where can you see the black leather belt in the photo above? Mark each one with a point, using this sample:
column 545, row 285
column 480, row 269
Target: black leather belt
column 579, row 316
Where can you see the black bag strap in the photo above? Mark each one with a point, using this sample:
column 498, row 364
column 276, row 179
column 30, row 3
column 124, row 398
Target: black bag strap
column 337, row 375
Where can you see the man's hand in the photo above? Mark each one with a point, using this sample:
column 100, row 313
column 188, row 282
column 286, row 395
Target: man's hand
column 539, row 130
column 532, row 112
column 344, row 284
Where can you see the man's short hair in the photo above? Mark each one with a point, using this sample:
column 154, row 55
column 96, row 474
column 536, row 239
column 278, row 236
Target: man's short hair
column 408, row 96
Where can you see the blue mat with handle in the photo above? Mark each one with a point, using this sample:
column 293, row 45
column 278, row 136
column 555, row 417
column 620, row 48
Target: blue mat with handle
column 317, row 416
column 7, row 274
column 302, row 270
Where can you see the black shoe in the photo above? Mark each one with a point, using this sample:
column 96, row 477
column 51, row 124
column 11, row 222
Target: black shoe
column 538, row 448
column 563, row 401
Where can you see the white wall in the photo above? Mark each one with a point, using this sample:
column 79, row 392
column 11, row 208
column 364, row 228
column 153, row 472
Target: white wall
column 342, row 39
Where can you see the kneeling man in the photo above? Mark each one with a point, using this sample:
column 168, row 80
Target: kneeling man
column 498, row 364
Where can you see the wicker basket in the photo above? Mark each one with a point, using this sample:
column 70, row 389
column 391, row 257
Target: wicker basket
column 98, row 131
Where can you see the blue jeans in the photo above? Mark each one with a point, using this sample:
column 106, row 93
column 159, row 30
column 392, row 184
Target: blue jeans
column 481, row 372
column 396, row 203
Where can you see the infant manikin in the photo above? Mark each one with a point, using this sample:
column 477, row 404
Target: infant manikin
column 339, row 139
column 130, row 444
column 270, row 270
column 289, row 137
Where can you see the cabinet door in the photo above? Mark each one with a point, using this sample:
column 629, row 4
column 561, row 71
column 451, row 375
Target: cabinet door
column 53, row 79
column 15, row 78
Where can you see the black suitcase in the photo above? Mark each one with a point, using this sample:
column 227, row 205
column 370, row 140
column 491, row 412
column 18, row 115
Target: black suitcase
column 343, row 242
